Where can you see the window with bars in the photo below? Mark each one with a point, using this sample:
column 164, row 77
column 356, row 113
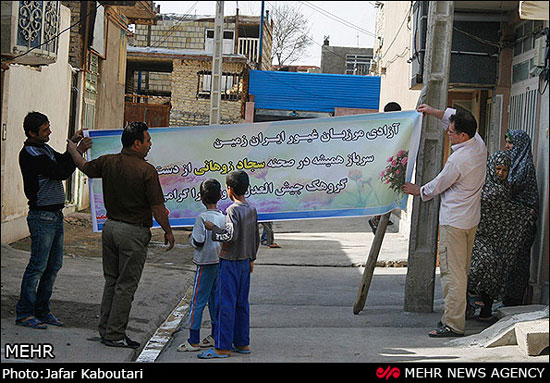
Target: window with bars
column 357, row 64
column 231, row 86
column 524, row 98
column 524, row 113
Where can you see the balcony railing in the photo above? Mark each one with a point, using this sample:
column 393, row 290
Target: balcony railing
column 250, row 48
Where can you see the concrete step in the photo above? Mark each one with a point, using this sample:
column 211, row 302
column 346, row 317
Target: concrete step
column 502, row 333
column 532, row 336
column 508, row 311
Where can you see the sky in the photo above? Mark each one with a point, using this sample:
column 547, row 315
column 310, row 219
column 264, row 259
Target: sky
column 347, row 23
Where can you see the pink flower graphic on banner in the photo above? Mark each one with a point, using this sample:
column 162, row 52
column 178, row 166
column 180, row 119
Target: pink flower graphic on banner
column 394, row 173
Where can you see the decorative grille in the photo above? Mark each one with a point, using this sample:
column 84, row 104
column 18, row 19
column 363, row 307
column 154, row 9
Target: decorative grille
column 37, row 30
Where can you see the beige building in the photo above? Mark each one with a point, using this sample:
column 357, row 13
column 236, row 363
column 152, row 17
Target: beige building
column 170, row 68
column 25, row 89
column 495, row 73
column 76, row 78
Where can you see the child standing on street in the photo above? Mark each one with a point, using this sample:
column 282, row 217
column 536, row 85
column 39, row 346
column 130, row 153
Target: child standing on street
column 241, row 239
column 206, row 257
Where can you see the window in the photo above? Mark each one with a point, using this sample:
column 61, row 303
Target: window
column 228, row 42
column 92, row 74
column 91, row 80
column 231, row 86
column 520, row 72
column 357, row 64
column 526, row 33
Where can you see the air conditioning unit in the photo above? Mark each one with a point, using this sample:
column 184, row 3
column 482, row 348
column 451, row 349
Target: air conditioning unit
column 29, row 32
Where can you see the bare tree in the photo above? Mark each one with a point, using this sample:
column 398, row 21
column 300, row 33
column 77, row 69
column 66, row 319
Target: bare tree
column 290, row 33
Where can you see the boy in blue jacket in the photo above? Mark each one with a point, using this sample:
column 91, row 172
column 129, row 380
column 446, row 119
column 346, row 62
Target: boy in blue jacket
column 206, row 257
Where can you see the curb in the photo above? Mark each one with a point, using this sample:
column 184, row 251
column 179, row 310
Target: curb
column 164, row 333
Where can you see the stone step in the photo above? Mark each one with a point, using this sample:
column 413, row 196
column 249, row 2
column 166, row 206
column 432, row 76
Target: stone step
column 532, row 336
column 502, row 333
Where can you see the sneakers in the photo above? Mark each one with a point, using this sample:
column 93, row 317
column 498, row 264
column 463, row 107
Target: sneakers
column 208, row 342
column 126, row 343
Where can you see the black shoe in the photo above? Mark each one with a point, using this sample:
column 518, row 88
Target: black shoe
column 372, row 226
column 443, row 332
column 126, row 343
column 486, row 314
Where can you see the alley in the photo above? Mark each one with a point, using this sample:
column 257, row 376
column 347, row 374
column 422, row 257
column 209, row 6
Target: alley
column 302, row 298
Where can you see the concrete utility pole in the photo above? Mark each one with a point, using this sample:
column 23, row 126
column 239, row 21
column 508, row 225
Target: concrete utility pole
column 217, row 55
column 419, row 286
column 260, row 53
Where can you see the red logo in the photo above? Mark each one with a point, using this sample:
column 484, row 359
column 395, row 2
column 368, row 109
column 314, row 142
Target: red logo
column 389, row 372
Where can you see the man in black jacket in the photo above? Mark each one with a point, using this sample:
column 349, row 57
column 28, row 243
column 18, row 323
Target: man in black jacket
column 43, row 171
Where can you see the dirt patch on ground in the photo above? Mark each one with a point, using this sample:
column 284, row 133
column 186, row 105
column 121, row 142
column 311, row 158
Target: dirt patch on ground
column 81, row 241
column 74, row 314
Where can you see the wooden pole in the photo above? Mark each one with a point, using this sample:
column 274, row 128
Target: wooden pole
column 371, row 263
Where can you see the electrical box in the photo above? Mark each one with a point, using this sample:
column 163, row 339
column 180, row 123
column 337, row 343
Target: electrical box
column 540, row 47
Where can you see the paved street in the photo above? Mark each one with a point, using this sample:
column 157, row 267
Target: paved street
column 302, row 298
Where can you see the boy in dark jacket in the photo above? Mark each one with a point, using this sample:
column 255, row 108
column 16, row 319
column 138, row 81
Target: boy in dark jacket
column 241, row 240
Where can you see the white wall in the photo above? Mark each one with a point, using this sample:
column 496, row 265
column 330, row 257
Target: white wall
column 395, row 29
column 47, row 90
column 540, row 268
column 394, row 54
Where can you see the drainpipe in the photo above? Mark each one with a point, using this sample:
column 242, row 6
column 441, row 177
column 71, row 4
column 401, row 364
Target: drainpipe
column 237, row 29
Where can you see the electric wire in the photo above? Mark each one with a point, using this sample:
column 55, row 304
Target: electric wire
column 336, row 18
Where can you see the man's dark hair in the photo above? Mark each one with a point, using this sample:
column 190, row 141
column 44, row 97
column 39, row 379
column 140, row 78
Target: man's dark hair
column 211, row 191
column 392, row 107
column 33, row 121
column 464, row 122
column 133, row 131
column 238, row 181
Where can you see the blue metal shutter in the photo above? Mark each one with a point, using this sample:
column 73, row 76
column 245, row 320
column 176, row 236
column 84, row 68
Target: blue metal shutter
column 314, row 92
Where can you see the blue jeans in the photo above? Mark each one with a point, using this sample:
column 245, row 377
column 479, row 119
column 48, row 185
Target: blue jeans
column 233, row 322
column 46, row 229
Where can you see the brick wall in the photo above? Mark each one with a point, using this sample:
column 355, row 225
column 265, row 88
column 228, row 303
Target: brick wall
column 158, row 81
column 75, row 42
column 174, row 34
column 187, row 109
